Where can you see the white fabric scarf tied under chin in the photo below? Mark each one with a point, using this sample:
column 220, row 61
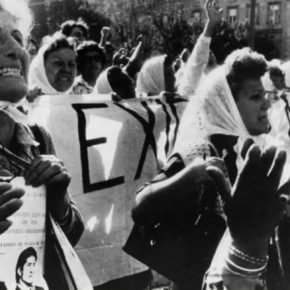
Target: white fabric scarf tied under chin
column 11, row 110
column 37, row 75
column 212, row 110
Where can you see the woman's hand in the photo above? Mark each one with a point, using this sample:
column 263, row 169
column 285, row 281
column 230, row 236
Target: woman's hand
column 10, row 202
column 120, row 58
column 51, row 172
column 105, row 31
column 136, row 60
column 256, row 206
column 213, row 15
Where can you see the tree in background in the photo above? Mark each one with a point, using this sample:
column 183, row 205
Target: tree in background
column 49, row 17
column 165, row 28
column 228, row 38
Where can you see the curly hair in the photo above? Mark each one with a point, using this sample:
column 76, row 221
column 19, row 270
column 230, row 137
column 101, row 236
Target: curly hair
column 67, row 27
column 88, row 46
column 56, row 42
column 243, row 64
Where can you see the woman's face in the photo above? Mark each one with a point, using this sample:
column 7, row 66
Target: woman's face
column 91, row 66
column 253, row 106
column 14, row 60
column 78, row 34
column 60, row 68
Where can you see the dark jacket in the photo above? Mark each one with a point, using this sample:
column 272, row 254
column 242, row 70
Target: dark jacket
column 28, row 143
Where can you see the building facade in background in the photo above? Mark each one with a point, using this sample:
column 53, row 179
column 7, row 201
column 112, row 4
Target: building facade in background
column 272, row 21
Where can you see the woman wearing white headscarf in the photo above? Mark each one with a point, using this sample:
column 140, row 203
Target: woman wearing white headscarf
column 230, row 104
column 229, row 108
column 53, row 69
column 151, row 80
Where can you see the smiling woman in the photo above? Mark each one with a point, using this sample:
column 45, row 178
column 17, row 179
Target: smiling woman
column 14, row 59
column 31, row 143
column 53, row 70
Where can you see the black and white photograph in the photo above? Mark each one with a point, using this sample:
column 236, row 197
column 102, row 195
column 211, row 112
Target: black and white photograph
column 25, row 270
column 144, row 144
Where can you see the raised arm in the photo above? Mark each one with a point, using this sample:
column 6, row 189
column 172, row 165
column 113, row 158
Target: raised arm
column 105, row 32
column 196, row 63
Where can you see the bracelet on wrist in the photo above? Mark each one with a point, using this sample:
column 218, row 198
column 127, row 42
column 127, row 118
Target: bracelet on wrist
column 244, row 265
column 244, row 272
column 254, row 260
column 249, row 272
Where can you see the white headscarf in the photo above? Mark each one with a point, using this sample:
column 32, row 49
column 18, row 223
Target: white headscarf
column 37, row 75
column 286, row 69
column 212, row 110
column 150, row 80
column 102, row 85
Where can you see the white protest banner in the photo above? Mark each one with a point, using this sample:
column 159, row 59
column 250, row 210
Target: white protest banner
column 110, row 150
column 22, row 246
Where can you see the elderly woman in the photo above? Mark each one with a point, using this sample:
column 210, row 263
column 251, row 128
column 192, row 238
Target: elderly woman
column 53, row 70
column 229, row 107
column 31, row 143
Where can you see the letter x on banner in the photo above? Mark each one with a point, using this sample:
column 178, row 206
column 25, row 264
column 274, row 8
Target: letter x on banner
column 110, row 149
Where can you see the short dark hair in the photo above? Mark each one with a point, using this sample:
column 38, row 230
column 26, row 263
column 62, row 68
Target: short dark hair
column 24, row 255
column 88, row 46
column 56, row 42
column 67, row 27
column 243, row 64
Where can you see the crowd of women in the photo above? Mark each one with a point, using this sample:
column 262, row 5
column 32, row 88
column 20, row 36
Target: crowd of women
column 218, row 210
